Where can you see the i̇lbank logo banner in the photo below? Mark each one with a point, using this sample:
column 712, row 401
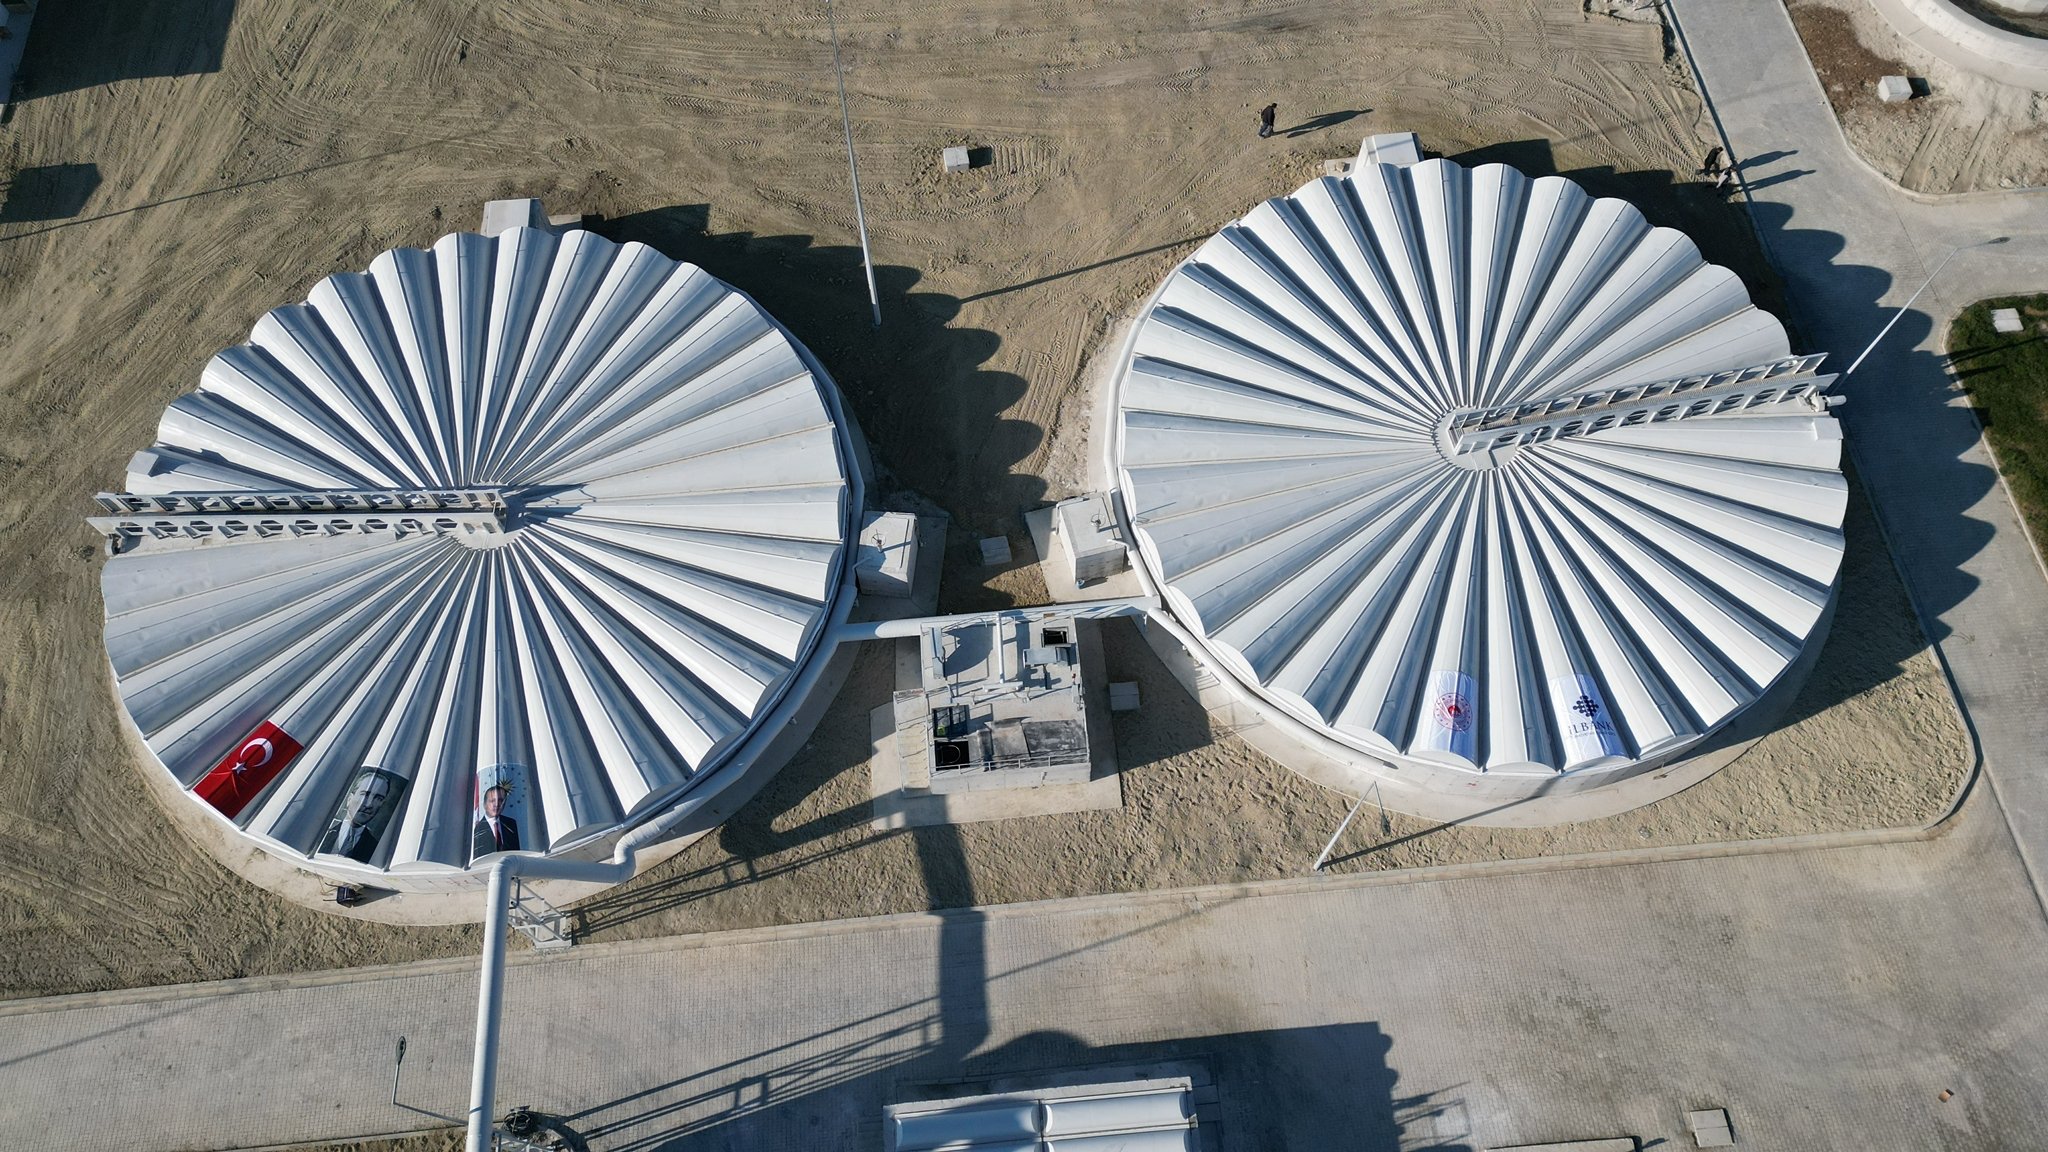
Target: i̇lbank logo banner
column 248, row 769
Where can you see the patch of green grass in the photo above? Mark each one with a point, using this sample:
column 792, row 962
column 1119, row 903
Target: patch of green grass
column 2006, row 376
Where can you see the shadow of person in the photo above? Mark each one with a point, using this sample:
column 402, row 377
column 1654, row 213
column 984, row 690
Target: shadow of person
column 1775, row 178
column 1762, row 158
column 1325, row 120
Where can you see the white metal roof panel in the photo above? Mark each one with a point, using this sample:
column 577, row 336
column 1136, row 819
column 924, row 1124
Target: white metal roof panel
column 679, row 516
column 1281, row 458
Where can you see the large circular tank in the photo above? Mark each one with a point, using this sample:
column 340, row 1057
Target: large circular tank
column 1557, row 610
column 509, row 544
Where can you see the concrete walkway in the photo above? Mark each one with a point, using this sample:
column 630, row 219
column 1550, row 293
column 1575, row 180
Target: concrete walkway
column 1827, row 997
column 1851, row 248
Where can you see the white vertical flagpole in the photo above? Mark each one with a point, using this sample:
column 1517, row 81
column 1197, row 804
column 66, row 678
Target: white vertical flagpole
column 1337, row 835
column 860, row 217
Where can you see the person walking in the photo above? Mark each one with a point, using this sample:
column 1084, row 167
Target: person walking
column 1266, row 115
column 1711, row 166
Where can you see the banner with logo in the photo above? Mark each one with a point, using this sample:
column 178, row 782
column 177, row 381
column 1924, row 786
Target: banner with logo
column 1583, row 720
column 1450, row 717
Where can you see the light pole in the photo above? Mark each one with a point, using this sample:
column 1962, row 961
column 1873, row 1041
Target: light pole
column 860, row 218
column 1953, row 253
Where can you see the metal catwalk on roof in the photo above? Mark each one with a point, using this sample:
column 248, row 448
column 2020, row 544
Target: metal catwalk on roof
column 540, row 512
column 1346, row 475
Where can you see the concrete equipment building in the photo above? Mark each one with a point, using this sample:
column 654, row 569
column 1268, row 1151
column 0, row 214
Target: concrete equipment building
column 516, row 542
column 1478, row 476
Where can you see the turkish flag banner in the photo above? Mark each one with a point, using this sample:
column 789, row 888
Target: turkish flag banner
column 249, row 769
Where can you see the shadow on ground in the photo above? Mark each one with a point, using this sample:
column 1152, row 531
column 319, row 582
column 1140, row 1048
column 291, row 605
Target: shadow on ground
column 1326, row 1086
column 1710, row 218
column 49, row 192
column 1902, row 426
column 85, row 43
column 810, row 823
column 1794, row 274
column 933, row 415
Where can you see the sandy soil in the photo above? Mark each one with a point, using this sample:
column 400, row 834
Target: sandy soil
column 1964, row 133
column 181, row 166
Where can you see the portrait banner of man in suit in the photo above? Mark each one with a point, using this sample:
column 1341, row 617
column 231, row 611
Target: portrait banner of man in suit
column 497, row 797
column 365, row 813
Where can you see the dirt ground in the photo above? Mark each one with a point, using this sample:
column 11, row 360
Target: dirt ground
column 1963, row 133
column 180, row 166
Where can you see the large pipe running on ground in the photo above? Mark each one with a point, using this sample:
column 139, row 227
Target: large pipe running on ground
column 490, row 995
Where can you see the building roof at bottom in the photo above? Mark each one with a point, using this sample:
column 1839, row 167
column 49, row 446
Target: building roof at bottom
column 1590, row 602
column 678, row 501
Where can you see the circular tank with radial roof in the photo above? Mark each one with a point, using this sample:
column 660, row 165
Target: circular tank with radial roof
column 609, row 504
column 1576, row 607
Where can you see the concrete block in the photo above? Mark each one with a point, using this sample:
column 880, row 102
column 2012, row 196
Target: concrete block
column 1894, row 89
column 505, row 215
column 888, row 554
column 956, row 159
column 2006, row 320
column 1123, row 696
column 995, row 550
column 1088, row 528
column 1400, row 149
column 1710, row 1128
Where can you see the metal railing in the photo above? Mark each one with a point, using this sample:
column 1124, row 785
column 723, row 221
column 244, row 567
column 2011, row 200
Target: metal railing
column 1584, row 413
column 200, row 516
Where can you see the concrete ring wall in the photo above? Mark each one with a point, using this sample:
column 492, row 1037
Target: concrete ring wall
column 1960, row 39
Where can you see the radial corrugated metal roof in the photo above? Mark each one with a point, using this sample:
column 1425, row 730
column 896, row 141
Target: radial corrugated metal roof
column 677, row 486
column 1583, row 603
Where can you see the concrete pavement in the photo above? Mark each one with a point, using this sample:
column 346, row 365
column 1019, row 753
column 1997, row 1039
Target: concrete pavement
column 1851, row 248
column 1826, row 998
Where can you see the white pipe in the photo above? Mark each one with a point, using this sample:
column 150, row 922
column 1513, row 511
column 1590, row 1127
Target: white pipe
column 490, row 996
column 855, row 632
column 483, row 1082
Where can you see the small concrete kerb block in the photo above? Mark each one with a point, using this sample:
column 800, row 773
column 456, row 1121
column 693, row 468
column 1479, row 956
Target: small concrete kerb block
column 2006, row 320
column 1894, row 89
column 955, row 159
column 1710, row 1128
column 995, row 550
column 887, row 562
